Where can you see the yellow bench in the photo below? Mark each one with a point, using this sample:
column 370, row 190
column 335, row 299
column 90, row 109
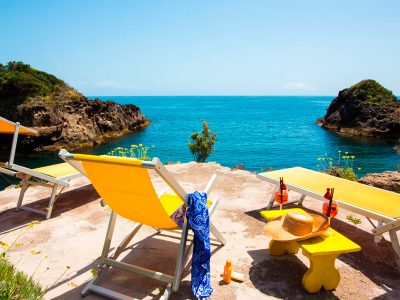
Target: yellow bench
column 322, row 252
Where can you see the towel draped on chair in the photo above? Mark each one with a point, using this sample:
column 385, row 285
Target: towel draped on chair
column 199, row 221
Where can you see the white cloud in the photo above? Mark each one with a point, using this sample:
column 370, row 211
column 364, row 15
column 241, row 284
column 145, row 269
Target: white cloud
column 298, row 86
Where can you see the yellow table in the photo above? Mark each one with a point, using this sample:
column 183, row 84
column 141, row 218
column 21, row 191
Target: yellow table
column 322, row 252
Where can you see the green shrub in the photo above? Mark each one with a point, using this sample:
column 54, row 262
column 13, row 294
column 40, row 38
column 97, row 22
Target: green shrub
column 19, row 81
column 372, row 92
column 343, row 167
column 13, row 283
column 17, row 285
column 202, row 145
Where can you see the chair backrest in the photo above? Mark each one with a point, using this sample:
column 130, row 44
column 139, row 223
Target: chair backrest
column 125, row 185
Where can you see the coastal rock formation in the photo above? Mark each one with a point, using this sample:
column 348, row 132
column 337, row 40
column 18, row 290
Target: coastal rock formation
column 364, row 109
column 62, row 116
column 387, row 180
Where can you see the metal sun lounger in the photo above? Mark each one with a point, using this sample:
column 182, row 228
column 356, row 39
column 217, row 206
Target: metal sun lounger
column 126, row 187
column 373, row 203
column 53, row 176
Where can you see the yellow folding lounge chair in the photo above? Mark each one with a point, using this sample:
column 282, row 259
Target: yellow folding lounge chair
column 373, row 203
column 53, row 176
column 126, row 187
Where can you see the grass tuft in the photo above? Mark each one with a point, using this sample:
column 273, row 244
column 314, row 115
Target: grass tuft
column 17, row 285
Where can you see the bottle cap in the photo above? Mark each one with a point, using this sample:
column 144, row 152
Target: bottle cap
column 228, row 262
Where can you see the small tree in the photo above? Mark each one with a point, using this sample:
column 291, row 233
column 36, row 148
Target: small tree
column 202, row 145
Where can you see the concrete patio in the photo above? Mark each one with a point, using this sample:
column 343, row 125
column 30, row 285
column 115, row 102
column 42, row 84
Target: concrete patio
column 75, row 235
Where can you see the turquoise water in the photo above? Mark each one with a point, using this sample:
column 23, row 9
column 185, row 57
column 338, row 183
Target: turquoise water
column 259, row 132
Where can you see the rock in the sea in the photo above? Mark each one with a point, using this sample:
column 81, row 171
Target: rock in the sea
column 63, row 117
column 364, row 109
column 387, row 180
column 238, row 167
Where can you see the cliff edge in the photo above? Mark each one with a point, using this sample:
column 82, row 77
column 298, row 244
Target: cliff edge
column 63, row 117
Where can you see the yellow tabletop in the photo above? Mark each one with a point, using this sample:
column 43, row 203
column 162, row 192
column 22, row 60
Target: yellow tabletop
column 58, row 170
column 330, row 242
column 367, row 197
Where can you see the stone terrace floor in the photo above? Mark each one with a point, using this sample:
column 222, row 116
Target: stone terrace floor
column 75, row 235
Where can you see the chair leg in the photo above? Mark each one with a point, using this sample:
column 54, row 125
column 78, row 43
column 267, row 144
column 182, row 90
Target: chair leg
column 302, row 199
column 109, row 234
column 181, row 258
column 396, row 246
column 104, row 253
column 167, row 292
column 272, row 200
column 52, row 200
column 24, row 187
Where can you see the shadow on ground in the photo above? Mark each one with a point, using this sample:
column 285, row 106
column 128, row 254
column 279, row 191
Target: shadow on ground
column 154, row 252
column 12, row 219
column 281, row 276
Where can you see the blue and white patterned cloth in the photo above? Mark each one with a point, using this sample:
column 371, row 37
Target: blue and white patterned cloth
column 199, row 221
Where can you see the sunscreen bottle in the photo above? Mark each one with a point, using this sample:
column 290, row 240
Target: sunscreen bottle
column 228, row 271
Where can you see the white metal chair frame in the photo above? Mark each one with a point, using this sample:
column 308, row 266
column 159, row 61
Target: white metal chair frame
column 184, row 250
column 384, row 223
column 26, row 175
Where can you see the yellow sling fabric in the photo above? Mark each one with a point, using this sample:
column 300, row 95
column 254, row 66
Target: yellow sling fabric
column 367, row 197
column 58, row 170
column 8, row 128
column 127, row 189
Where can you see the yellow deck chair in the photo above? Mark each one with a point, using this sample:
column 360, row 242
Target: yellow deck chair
column 371, row 202
column 53, row 176
column 126, row 187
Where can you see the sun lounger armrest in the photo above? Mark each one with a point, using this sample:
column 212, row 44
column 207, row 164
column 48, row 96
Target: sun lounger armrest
column 7, row 172
column 389, row 226
column 210, row 183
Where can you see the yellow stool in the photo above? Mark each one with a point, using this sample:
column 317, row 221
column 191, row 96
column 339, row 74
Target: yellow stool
column 322, row 252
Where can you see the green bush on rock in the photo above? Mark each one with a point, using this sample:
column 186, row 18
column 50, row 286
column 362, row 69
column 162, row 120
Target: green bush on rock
column 371, row 91
column 19, row 81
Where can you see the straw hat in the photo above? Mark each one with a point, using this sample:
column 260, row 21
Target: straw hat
column 296, row 226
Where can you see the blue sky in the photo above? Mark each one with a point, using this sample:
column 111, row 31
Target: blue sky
column 206, row 47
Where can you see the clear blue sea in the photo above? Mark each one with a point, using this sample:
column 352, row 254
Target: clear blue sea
column 257, row 131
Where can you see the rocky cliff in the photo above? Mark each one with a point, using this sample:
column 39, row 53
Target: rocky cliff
column 364, row 109
column 387, row 180
column 62, row 116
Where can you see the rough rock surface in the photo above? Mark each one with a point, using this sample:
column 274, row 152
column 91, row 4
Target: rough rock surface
column 77, row 123
column 63, row 117
column 387, row 180
column 364, row 109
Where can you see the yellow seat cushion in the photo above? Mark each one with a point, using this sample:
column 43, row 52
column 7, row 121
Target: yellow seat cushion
column 58, row 170
column 171, row 203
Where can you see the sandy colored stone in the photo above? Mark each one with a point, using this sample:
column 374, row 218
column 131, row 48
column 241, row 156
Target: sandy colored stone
column 387, row 180
column 75, row 235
